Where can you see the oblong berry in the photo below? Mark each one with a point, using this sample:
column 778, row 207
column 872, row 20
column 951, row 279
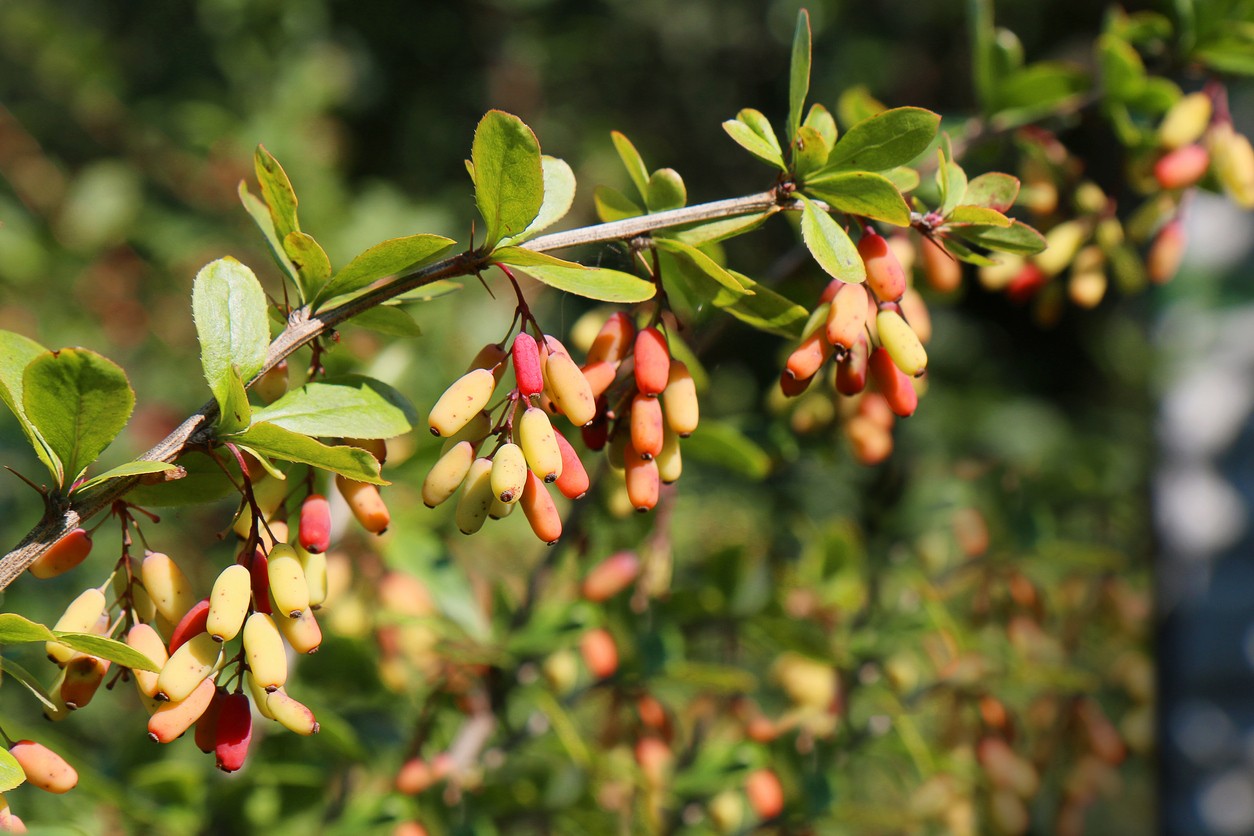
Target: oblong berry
column 884, row 275
column 315, row 524
column 63, row 555
column 573, row 481
column 893, row 383
column 653, row 361
column 526, row 356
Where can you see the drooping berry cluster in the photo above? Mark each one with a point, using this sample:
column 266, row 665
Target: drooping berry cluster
column 647, row 403
column 875, row 333
column 266, row 599
column 527, row 453
column 629, row 397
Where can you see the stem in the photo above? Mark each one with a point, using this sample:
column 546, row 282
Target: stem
column 305, row 326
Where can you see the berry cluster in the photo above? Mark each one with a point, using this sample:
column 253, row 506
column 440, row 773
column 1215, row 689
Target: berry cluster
column 628, row 397
column 528, row 453
column 649, row 403
column 266, row 599
column 875, row 333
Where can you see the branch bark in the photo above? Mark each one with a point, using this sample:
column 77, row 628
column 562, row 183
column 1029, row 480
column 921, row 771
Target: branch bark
column 305, row 326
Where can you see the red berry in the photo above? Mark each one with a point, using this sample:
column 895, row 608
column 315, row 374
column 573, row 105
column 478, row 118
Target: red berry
column 527, row 371
column 315, row 524
column 234, row 731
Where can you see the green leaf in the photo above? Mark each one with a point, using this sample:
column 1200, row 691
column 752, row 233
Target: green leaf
column 665, row 191
column 27, row 679
column 559, row 194
column 904, row 178
column 1123, row 72
column 761, row 126
column 886, row 140
column 111, row 649
column 204, row 482
column 857, row 104
column 1228, row 55
column 260, row 214
column 14, row 629
column 632, row 161
column 352, row 406
column 749, row 140
column 984, row 42
column 613, row 205
column 1007, row 53
column 799, row 72
column 993, row 190
column 389, row 258
column 388, row 319
column 313, row 268
column 136, row 468
column 966, row 215
column 79, row 401
column 830, row 244
column 767, row 310
column 12, row 775
column 720, row 443
column 820, row 119
column 712, row 282
column 16, row 352
column 509, row 177
column 1037, row 89
column 712, row 231
column 431, row 290
column 289, row 446
column 964, row 253
column 592, row 282
column 277, row 192
column 1156, row 96
column 230, row 311
column 234, row 410
column 1018, row 238
column 861, row 193
column 809, row 151
column 952, row 181
column 523, row 257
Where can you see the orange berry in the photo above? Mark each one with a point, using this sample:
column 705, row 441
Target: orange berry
column 364, row 501
column 1182, row 167
column 884, row 275
column 653, row 362
column 766, row 794
column 599, row 651
column 942, row 271
column 540, row 510
column 63, row 555
column 611, row 576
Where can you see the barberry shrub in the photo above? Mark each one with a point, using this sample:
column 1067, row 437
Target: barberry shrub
column 628, row 649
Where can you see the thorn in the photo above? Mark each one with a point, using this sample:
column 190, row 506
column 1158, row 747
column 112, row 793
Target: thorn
column 42, row 491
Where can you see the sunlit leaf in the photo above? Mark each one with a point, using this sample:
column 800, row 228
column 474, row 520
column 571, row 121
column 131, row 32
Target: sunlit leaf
column 388, row 258
column 830, row 244
column 79, row 401
column 351, row 406
column 231, row 322
column 886, row 140
column 270, row 440
column 16, row 352
column 509, row 177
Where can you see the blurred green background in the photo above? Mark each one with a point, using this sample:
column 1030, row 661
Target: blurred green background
column 124, row 131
